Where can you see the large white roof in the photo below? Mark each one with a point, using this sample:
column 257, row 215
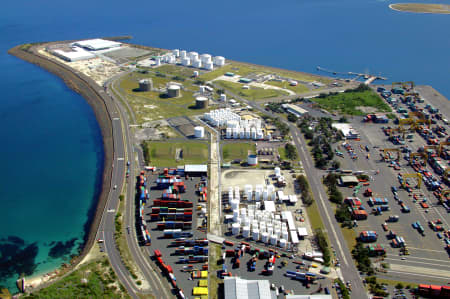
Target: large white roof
column 75, row 54
column 238, row 288
column 196, row 168
column 97, row 44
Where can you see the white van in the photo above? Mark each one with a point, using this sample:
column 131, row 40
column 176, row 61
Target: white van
column 445, row 121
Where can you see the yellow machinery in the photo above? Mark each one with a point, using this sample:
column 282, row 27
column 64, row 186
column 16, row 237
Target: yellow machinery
column 405, row 121
column 415, row 95
column 441, row 146
column 390, row 150
column 398, row 130
column 406, row 85
column 443, row 196
column 446, row 173
column 416, row 175
column 423, row 155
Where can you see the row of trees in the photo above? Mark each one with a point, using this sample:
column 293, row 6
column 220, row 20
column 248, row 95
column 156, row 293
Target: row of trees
column 291, row 151
column 303, row 184
column 342, row 213
column 323, row 245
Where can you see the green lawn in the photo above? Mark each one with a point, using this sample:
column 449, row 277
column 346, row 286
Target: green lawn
column 214, row 281
column 349, row 102
column 100, row 283
column 151, row 105
column 314, row 217
column 300, row 88
column 254, row 93
column 231, row 151
column 176, row 70
column 162, row 154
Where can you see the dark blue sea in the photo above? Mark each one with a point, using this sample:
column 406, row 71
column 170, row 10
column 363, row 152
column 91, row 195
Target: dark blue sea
column 51, row 154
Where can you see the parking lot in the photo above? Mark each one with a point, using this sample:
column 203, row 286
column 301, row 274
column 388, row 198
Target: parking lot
column 427, row 259
column 166, row 245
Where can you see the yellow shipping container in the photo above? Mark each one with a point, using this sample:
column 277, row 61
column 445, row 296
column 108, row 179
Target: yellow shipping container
column 204, row 274
column 200, row 291
column 203, row 283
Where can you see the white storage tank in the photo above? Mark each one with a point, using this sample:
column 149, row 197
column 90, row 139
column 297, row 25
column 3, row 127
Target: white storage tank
column 265, row 237
column 229, row 133
column 197, row 63
column 208, row 65
column 277, row 232
column 202, row 89
column 252, row 160
column 273, row 240
column 173, row 91
column 205, row 58
column 283, row 243
column 285, row 234
column 235, row 133
column 176, row 52
column 246, row 231
column 234, row 204
column 186, row 61
column 193, row 55
column 219, row 60
column 232, row 124
column 270, row 230
column 277, row 172
column 199, row 132
column 223, row 97
column 201, row 102
column 158, row 61
column 241, row 133
column 235, row 228
column 253, row 133
column 255, row 234
column 196, row 74
column 235, row 215
column 183, row 54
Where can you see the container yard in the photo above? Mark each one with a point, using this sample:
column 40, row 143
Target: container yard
column 406, row 198
column 172, row 222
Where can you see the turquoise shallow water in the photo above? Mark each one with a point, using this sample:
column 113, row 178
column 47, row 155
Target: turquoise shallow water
column 51, row 150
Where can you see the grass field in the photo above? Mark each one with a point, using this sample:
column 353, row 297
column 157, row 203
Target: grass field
column 314, row 217
column 254, row 93
column 176, row 70
column 162, row 154
column 101, row 282
column 350, row 102
column 243, row 69
column 231, row 151
column 150, row 105
column 214, row 281
column 395, row 282
column 300, row 88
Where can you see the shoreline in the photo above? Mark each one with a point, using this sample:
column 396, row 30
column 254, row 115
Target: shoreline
column 441, row 10
column 91, row 93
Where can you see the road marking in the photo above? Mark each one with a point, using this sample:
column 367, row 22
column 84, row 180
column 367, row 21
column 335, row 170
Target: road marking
column 120, row 159
column 432, row 250
column 111, row 210
column 411, row 258
column 414, row 262
column 418, row 274
column 116, row 118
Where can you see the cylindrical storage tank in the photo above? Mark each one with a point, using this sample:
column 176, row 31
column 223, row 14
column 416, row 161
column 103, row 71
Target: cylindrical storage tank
column 228, row 133
column 205, row 58
column 219, row 60
column 252, row 160
column 255, row 234
column 241, row 133
column 186, row 61
column 196, row 74
column 208, row 65
column 193, row 55
column 196, row 63
column 247, row 221
column 247, row 133
column 285, row 234
column 202, row 89
column 273, row 240
column 253, row 133
column 235, row 215
column 270, row 230
column 183, row 54
column 199, row 132
column 223, row 97
column 235, row 133
column 235, row 228
column 265, row 195
column 257, row 195
column 234, row 204
column 249, row 195
column 277, row 171
column 265, row 237
column 158, row 61
column 232, row 124
column 145, row 85
column 255, row 223
column 201, row 102
column 243, row 211
column 277, row 232
column 283, row 243
column 176, row 52
column 173, row 91
column 246, row 231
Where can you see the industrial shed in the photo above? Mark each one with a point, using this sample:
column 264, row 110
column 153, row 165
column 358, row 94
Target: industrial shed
column 196, row 169
column 348, row 180
column 238, row 288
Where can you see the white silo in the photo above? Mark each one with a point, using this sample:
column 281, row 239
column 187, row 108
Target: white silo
column 235, row 228
column 197, row 63
column 183, row 54
column 257, row 195
column 208, row 65
column 228, row 133
column 158, row 61
column 247, row 132
column 199, row 132
column 265, row 195
column 273, row 240
column 247, row 221
column 235, row 133
column 285, row 234
column 243, row 211
column 246, row 231
column 252, row 160
column 223, row 97
column 202, row 89
column 253, row 133
column 277, row 232
column 255, row 234
column 237, row 192
column 265, row 237
column 234, row 204
column 283, row 243
column 259, row 134
column 193, row 55
column 232, row 124
column 269, row 230
column 235, row 215
column 277, row 172
column 206, row 58
column 186, row 61
column 241, row 133
column 219, row 60
column 176, row 52
column 196, row 74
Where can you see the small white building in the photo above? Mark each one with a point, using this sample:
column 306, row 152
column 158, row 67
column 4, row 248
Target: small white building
column 294, row 109
column 347, row 130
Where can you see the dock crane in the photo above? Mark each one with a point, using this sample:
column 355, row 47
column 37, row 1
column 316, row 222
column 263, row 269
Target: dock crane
column 423, row 155
column 390, row 150
column 416, row 175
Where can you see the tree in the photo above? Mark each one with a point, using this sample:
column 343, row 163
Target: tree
column 336, row 164
column 291, row 151
column 399, row 286
column 292, row 118
column 343, row 119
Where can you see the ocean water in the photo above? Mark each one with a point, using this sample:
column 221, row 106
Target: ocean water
column 51, row 152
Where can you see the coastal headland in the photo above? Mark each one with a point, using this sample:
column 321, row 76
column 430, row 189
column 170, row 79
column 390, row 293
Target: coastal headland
column 421, row 8
column 92, row 93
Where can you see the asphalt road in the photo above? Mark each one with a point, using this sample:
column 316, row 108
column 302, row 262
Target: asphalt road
column 140, row 255
column 347, row 269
